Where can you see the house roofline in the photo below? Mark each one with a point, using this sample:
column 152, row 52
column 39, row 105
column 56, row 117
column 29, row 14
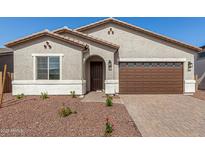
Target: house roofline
column 202, row 47
column 136, row 28
column 6, row 53
column 45, row 33
column 85, row 36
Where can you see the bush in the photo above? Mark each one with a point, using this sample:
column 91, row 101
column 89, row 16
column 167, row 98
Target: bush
column 108, row 128
column 44, row 95
column 20, row 96
column 109, row 101
column 66, row 111
column 73, row 94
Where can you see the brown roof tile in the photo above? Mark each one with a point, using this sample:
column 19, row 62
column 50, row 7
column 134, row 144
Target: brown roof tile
column 46, row 33
column 124, row 24
column 89, row 37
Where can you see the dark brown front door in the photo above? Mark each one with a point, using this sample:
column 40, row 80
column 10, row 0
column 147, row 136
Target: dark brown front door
column 96, row 76
column 151, row 78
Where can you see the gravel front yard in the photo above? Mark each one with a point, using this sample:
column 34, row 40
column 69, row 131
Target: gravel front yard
column 32, row 116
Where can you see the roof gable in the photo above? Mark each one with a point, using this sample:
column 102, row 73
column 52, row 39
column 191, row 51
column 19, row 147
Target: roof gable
column 85, row 36
column 136, row 28
column 46, row 33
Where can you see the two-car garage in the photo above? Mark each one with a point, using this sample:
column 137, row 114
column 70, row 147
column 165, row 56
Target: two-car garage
column 151, row 77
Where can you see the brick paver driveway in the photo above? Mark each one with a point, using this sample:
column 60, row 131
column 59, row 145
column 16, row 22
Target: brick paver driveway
column 167, row 115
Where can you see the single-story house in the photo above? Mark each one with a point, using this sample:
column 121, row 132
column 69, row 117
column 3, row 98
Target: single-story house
column 109, row 55
column 200, row 69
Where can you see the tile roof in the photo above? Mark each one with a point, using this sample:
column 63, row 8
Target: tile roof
column 133, row 27
column 46, row 33
column 86, row 36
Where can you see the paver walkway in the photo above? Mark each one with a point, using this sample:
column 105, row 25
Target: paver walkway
column 166, row 115
column 94, row 97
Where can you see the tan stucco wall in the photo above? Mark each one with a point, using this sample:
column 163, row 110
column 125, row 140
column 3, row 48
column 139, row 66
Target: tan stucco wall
column 132, row 45
column 71, row 61
column 137, row 45
column 104, row 52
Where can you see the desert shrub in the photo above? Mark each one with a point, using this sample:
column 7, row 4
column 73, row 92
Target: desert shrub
column 44, row 95
column 108, row 128
column 72, row 93
column 109, row 101
column 65, row 111
column 20, row 96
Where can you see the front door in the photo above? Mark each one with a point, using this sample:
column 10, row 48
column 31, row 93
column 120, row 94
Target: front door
column 96, row 76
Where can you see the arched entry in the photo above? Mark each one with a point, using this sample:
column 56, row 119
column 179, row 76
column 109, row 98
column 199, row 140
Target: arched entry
column 95, row 73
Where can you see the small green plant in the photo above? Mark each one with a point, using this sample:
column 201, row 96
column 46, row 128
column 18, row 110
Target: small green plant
column 109, row 101
column 20, row 96
column 108, row 128
column 72, row 93
column 44, row 95
column 65, row 111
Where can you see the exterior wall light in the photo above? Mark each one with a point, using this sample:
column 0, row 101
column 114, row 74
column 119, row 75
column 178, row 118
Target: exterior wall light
column 190, row 65
column 109, row 65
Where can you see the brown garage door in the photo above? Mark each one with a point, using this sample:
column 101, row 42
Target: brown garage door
column 151, row 78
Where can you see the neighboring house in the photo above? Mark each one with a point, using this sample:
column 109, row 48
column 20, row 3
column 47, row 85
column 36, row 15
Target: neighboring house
column 200, row 69
column 109, row 55
column 6, row 57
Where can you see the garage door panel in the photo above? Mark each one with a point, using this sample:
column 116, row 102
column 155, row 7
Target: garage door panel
column 151, row 78
column 154, row 72
column 158, row 87
column 150, row 82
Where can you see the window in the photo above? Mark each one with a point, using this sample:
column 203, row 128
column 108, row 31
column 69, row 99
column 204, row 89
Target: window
column 122, row 65
column 48, row 68
column 131, row 64
column 42, row 68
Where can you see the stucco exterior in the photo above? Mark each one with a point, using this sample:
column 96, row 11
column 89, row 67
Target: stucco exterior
column 71, row 72
column 75, row 71
column 95, row 49
column 137, row 45
column 23, row 59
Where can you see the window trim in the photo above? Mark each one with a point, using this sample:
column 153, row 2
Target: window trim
column 46, row 55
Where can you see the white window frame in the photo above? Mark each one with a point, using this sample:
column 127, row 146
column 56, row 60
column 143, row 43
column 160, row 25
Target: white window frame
column 46, row 55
